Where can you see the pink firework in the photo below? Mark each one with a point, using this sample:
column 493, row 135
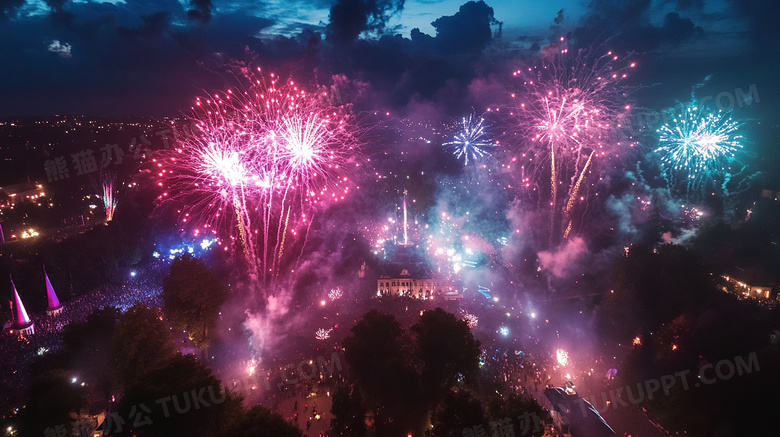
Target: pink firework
column 256, row 162
column 470, row 319
column 568, row 113
column 209, row 174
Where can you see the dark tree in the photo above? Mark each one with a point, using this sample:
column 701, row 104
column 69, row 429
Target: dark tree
column 404, row 377
column 696, row 406
column 380, row 359
column 193, row 295
column 349, row 413
column 53, row 396
column 448, row 352
column 650, row 287
column 141, row 343
column 524, row 413
column 458, row 411
column 262, row 422
column 182, row 398
column 88, row 347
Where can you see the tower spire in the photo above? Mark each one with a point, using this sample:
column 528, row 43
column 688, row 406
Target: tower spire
column 21, row 318
column 406, row 226
column 54, row 305
column 21, row 325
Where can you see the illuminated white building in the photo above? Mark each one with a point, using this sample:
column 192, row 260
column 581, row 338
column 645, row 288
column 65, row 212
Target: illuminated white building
column 407, row 279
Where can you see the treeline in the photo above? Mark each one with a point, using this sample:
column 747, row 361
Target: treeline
column 426, row 380
column 128, row 362
column 665, row 302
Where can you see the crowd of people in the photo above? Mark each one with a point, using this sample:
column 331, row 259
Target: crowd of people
column 143, row 286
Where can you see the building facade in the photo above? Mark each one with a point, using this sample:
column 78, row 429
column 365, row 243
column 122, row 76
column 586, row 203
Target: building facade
column 407, row 280
column 24, row 192
column 749, row 289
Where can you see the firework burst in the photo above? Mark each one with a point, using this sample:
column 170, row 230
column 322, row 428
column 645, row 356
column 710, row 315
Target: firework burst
column 562, row 357
column 470, row 319
column 254, row 163
column 568, row 113
column 335, row 294
column 472, row 142
column 209, row 175
column 698, row 145
column 323, row 334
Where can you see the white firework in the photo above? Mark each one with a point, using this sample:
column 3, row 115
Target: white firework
column 322, row 334
column 471, row 143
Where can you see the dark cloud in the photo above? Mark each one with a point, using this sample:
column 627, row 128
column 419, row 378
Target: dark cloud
column 468, row 31
column 627, row 24
column 349, row 18
column 153, row 25
column 558, row 20
column 8, row 8
column 687, row 5
column 136, row 57
column 153, row 57
column 201, row 10
column 761, row 17
column 556, row 29
column 126, row 58
column 56, row 5
column 423, row 71
column 676, row 29
column 532, row 43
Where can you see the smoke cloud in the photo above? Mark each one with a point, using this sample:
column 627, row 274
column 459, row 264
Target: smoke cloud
column 561, row 262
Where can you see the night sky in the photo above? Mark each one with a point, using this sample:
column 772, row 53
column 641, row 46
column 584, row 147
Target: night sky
column 566, row 202
column 151, row 58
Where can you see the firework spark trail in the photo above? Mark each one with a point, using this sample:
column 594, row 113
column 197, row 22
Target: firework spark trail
column 472, row 141
column 109, row 196
column 569, row 107
column 284, row 235
column 699, row 145
column 574, row 191
column 266, row 152
column 280, row 237
column 553, row 193
column 406, row 222
column 305, row 240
